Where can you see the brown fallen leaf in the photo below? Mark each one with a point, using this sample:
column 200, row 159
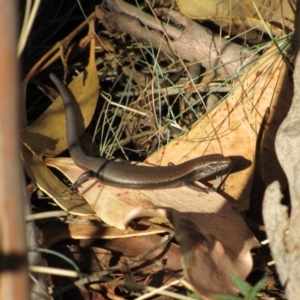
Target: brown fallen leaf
column 47, row 135
column 232, row 127
column 52, row 186
column 86, row 228
column 207, row 263
column 241, row 13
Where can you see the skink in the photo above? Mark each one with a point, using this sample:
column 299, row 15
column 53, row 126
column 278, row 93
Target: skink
column 125, row 175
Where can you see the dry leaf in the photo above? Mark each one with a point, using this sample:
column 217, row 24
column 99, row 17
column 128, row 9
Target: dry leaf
column 207, row 264
column 54, row 232
column 241, row 13
column 47, row 135
column 52, row 186
column 232, row 127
